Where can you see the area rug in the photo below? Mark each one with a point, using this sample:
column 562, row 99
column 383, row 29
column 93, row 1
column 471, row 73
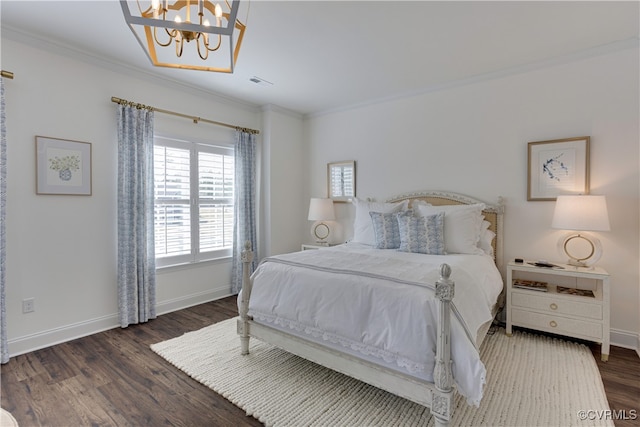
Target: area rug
column 531, row 381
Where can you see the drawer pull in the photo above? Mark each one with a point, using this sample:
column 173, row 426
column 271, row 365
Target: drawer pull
column 553, row 324
column 554, row 306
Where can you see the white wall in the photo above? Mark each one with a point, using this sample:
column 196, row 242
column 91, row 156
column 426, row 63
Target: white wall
column 61, row 250
column 472, row 139
column 283, row 187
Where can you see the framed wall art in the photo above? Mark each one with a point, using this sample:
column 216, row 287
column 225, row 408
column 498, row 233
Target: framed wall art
column 559, row 166
column 63, row 167
column 341, row 180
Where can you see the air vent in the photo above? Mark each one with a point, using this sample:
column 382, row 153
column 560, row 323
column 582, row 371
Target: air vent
column 259, row 81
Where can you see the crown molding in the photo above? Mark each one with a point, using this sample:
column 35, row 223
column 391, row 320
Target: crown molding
column 112, row 64
column 620, row 45
column 281, row 110
column 18, row 35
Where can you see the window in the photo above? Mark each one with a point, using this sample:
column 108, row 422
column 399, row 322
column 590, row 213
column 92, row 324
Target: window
column 193, row 210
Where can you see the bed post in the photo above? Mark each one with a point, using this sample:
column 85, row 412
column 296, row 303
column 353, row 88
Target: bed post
column 442, row 398
column 243, row 321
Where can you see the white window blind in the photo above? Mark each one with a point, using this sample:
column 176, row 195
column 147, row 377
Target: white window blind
column 193, row 201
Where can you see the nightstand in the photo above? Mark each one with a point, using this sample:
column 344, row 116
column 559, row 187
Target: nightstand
column 575, row 303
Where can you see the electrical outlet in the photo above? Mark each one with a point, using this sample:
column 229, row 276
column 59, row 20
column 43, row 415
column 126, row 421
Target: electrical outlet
column 28, row 305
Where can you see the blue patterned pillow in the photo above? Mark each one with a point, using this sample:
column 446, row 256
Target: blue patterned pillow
column 385, row 230
column 424, row 235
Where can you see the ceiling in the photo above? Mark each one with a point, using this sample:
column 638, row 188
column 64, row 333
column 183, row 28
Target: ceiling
column 329, row 55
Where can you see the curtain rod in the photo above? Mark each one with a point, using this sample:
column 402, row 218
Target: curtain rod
column 7, row 74
column 195, row 119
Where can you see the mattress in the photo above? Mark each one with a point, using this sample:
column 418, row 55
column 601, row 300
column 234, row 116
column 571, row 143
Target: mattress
column 380, row 305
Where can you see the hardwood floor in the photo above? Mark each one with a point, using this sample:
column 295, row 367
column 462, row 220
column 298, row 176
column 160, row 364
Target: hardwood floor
column 621, row 379
column 114, row 379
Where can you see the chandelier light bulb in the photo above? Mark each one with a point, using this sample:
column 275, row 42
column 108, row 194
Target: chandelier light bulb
column 178, row 19
column 155, row 6
column 206, row 23
column 218, row 13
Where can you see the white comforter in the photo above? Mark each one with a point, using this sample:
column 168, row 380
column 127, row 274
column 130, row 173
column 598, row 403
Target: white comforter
column 381, row 304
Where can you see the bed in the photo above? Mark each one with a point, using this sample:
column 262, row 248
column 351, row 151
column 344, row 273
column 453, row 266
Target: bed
column 409, row 320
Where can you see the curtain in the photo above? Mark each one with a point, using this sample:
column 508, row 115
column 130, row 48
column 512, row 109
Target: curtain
column 4, row 350
column 244, row 228
column 136, row 252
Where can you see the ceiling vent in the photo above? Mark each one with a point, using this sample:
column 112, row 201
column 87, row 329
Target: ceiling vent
column 260, row 82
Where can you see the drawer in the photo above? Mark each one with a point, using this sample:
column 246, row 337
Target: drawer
column 557, row 324
column 556, row 304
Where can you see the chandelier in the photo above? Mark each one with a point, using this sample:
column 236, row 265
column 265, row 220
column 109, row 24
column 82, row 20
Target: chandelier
column 188, row 34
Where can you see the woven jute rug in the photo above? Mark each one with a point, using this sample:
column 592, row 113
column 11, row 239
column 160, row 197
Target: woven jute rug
column 531, row 381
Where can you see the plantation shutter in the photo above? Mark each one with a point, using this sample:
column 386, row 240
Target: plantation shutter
column 216, row 200
column 172, row 201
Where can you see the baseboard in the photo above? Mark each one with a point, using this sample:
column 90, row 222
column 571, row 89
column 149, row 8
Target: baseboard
column 625, row 339
column 37, row 341
column 28, row 343
column 191, row 300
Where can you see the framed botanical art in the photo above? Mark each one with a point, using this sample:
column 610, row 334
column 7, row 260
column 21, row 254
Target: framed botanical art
column 559, row 166
column 63, row 167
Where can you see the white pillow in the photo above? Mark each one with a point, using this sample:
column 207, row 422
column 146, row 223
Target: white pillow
column 462, row 226
column 363, row 225
column 418, row 202
column 486, row 238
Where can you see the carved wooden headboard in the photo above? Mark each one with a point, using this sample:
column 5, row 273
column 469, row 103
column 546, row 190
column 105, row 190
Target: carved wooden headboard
column 492, row 213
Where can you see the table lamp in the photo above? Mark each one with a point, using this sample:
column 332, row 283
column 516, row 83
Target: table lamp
column 321, row 210
column 581, row 213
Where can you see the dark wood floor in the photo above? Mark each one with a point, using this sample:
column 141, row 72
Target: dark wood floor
column 621, row 379
column 114, row 379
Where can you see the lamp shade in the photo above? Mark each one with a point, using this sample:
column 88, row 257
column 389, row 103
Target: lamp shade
column 581, row 212
column 321, row 210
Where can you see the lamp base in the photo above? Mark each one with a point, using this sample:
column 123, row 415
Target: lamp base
column 582, row 250
column 581, row 264
column 320, row 231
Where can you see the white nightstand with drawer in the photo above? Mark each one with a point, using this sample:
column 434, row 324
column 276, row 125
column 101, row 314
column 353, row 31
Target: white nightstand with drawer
column 560, row 309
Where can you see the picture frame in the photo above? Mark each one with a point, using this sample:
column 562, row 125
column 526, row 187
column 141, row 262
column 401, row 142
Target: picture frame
column 559, row 166
column 341, row 181
column 63, row 167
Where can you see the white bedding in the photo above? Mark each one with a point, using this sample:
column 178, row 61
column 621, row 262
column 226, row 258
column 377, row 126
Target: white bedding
column 380, row 304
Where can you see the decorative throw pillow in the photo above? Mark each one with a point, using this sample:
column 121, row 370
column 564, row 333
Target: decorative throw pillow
column 424, row 235
column 362, row 225
column 385, row 230
column 462, row 226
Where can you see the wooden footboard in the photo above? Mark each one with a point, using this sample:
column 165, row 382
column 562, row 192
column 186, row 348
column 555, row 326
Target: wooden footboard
column 438, row 395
